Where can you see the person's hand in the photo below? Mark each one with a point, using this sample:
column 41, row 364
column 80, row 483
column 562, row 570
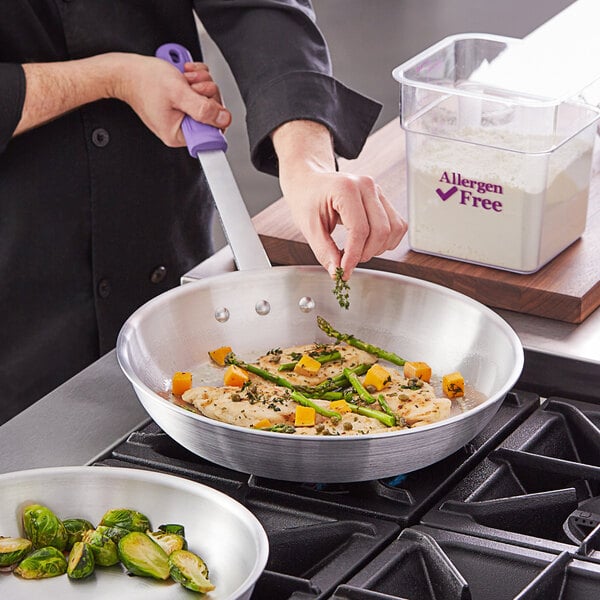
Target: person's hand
column 158, row 92
column 320, row 198
column 161, row 95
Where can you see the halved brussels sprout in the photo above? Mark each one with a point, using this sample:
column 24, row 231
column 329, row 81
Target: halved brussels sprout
column 12, row 550
column 190, row 571
column 173, row 528
column 43, row 527
column 81, row 561
column 75, row 529
column 129, row 519
column 143, row 556
column 169, row 542
column 41, row 563
column 104, row 549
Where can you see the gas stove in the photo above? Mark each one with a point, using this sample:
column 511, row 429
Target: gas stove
column 514, row 514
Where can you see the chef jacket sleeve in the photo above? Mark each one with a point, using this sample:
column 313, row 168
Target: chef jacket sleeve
column 282, row 67
column 12, row 85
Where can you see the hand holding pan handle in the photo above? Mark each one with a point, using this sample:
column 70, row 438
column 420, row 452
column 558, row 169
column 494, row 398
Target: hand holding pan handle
column 198, row 136
column 208, row 144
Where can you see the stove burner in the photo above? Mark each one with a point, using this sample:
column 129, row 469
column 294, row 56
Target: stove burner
column 326, row 488
column 394, row 481
column 583, row 521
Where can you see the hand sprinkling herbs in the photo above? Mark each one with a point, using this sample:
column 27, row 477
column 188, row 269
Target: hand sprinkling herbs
column 341, row 290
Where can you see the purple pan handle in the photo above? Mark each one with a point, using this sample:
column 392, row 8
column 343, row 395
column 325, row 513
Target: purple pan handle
column 198, row 136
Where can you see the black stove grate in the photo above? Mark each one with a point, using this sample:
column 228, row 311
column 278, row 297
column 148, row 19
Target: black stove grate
column 513, row 515
column 539, row 489
column 425, row 563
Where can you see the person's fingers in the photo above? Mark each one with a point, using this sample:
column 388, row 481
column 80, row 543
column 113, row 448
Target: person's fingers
column 205, row 110
column 197, row 76
column 365, row 220
column 325, row 250
column 195, row 66
column 209, row 89
column 398, row 226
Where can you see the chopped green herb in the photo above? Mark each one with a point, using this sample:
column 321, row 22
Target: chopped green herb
column 341, row 290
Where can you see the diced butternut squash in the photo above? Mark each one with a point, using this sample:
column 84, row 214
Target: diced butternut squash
column 235, row 376
column 263, row 424
column 307, row 366
column 378, row 377
column 453, row 385
column 181, row 382
column 305, row 416
column 420, row 370
column 219, row 355
column 340, row 406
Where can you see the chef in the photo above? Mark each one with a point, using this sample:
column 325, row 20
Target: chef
column 101, row 206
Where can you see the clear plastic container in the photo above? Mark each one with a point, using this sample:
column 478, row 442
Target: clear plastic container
column 497, row 175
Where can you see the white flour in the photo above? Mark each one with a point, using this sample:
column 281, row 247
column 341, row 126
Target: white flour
column 495, row 207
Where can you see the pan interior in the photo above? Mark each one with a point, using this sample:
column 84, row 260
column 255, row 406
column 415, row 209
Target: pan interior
column 415, row 319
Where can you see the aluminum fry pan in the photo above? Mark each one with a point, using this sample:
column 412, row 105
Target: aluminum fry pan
column 229, row 538
column 267, row 308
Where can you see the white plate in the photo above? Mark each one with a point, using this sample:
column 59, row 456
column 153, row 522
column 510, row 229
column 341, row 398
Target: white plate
column 229, row 538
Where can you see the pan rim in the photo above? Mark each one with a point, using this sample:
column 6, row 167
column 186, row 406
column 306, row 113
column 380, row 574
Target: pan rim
column 161, row 402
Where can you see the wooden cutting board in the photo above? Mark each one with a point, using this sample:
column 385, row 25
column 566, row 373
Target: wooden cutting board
column 566, row 289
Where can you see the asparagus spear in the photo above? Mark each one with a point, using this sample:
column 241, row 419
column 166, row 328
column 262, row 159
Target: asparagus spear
column 363, row 394
column 231, row 359
column 332, row 395
column 322, row 358
column 280, row 428
column 385, row 406
column 373, row 413
column 333, row 383
column 304, row 401
column 352, row 341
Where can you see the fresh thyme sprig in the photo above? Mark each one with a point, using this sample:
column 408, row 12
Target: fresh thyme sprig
column 341, row 290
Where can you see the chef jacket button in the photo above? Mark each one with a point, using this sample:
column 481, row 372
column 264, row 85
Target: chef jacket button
column 104, row 288
column 100, row 137
column 158, row 274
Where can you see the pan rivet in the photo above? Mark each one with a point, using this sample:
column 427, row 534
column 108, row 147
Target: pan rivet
column 263, row 307
column 222, row 315
column 306, row 304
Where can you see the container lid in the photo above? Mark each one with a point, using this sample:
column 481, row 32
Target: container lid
column 483, row 89
column 522, row 71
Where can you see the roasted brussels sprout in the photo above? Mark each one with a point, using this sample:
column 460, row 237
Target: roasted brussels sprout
column 81, row 561
column 41, row 563
column 114, row 533
column 43, row 527
column 104, row 549
column 169, row 542
column 132, row 520
column 173, row 528
column 75, row 530
column 12, row 550
column 143, row 556
column 190, row 571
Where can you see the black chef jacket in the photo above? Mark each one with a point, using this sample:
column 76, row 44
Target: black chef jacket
column 97, row 216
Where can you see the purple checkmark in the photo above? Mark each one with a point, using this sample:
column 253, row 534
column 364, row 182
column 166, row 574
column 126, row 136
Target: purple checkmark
column 445, row 195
